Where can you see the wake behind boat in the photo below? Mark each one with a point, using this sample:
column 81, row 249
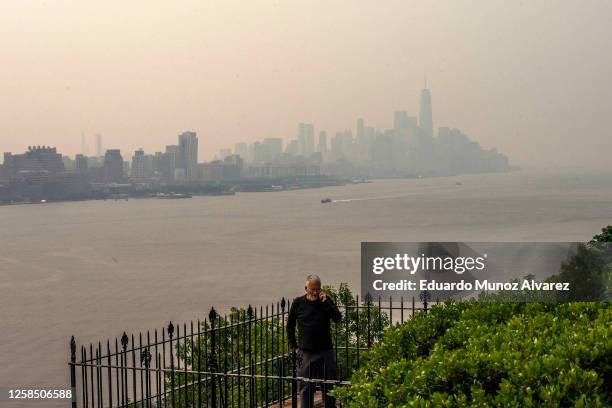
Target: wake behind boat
column 171, row 196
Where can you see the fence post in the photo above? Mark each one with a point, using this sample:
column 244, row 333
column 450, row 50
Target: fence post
column 212, row 316
column 368, row 299
column 425, row 297
column 170, row 335
column 124, row 344
column 145, row 359
column 252, row 388
column 226, row 393
column 73, row 371
column 347, row 302
column 281, row 393
column 252, row 403
column 294, row 398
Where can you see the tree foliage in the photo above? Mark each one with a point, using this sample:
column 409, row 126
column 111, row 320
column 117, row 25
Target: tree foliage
column 491, row 354
column 604, row 236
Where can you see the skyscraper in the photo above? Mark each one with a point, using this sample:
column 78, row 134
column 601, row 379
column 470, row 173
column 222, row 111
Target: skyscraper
column 310, row 138
column 138, row 164
column 301, row 138
column 113, row 166
column 188, row 147
column 306, row 139
column 81, row 163
column 425, row 116
column 360, row 130
column 293, row 147
column 98, row 145
column 274, row 147
column 322, row 146
column 171, row 162
column 38, row 159
column 401, row 121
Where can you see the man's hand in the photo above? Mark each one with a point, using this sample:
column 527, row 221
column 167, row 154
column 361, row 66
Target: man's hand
column 322, row 296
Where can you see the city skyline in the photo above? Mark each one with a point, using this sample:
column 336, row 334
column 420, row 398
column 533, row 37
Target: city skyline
column 525, row 78
column 409, row 149
column 302, row 143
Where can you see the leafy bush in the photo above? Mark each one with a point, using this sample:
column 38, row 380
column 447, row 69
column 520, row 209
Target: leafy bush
column 604, row 236
column 491, row 354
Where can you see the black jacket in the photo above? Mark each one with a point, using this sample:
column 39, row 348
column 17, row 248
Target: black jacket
column 313, row 318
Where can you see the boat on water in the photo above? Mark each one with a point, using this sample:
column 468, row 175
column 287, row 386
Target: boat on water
column 360, row 181
column 222, row 193
column 172, row 196
column 326, row 200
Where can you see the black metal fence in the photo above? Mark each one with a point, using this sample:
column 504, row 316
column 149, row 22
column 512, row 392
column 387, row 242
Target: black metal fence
column 241, row 359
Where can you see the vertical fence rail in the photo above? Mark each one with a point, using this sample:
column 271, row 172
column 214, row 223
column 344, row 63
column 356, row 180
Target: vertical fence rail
column 212, row 364
column 73, row 371
column 241, row 359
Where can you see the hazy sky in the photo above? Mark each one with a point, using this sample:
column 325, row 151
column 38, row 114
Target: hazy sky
column 531, row 78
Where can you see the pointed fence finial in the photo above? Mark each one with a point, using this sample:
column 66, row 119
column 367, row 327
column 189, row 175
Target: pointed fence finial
column 425, row 296
column 145, row 357
column 72, row 349
column 212, row 315
column 170, row 329
column 124, row 340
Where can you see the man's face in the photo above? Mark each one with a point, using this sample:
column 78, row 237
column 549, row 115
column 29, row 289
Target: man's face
column 313, row 288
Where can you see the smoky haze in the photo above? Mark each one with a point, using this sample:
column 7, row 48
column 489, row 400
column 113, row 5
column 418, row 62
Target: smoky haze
column 531, row 78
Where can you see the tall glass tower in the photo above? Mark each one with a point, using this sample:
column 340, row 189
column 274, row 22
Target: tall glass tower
column 188, row 151
column 425, row 116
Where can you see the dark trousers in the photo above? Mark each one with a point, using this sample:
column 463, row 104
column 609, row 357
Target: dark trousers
column 317, row 365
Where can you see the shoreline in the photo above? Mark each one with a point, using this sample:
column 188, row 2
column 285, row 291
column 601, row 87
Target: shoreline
column 251, row 186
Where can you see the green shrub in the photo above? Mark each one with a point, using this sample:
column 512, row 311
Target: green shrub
column 491, row 354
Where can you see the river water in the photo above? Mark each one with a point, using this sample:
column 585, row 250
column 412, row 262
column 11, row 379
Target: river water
column 95, row 269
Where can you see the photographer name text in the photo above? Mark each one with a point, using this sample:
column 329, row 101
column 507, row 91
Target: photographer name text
column 462, row 285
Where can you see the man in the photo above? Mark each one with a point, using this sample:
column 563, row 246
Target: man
column 313, row 313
